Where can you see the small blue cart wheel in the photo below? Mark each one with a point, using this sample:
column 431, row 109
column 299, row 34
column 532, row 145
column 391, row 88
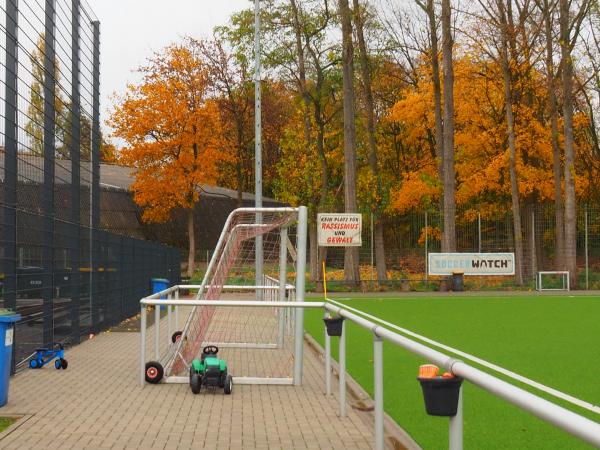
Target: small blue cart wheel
column 33, row 364
column 57, row 364
column 63, row 363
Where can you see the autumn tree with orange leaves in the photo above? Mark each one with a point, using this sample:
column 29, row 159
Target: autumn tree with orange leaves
column 171, row 128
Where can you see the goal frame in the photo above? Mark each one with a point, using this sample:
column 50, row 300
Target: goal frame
column 280, row 290
column 565, row 276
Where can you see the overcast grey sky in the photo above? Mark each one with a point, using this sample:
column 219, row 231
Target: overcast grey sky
column 131, row 30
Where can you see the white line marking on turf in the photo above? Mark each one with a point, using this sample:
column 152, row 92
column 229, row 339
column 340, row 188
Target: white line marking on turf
column 547, row 389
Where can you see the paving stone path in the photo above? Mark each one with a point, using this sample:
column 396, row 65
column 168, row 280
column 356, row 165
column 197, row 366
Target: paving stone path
column 98, row 403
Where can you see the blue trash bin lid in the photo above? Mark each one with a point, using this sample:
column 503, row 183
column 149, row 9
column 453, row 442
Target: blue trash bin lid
column 159, row 280
column 8, row 315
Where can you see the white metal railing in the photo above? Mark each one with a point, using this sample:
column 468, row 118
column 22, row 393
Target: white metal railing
column 572, row 423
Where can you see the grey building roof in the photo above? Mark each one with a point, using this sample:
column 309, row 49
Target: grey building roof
column 31, row 170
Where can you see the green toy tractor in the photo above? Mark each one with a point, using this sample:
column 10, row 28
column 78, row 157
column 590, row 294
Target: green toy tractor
column 210, row 371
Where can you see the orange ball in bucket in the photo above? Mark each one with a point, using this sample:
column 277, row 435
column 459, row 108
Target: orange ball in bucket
column 428, row 371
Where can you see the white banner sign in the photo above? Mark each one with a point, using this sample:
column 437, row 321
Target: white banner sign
column 472, row 263
column 339, row 230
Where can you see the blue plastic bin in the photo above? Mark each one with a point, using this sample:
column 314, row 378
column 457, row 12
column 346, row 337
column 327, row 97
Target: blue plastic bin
column 159, row 284
column 7, row 333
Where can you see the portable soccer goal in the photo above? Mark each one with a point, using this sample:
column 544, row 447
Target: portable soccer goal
column 259, row 343
column 552, row 280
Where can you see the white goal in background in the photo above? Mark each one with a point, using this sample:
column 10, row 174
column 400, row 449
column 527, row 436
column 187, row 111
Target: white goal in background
column 556, row 280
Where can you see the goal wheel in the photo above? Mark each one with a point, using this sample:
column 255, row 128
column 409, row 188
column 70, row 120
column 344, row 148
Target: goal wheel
column 154, row 372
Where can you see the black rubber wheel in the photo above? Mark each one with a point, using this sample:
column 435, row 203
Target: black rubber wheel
column 176, row 336
column 154, row 372
column 228, row 385
column 223, row 379
column 57, row 363
column 195, row 382
column 64, row 364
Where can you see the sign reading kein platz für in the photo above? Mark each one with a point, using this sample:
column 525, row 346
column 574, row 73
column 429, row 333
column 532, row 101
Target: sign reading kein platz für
column 339, row 230
column 472, row 263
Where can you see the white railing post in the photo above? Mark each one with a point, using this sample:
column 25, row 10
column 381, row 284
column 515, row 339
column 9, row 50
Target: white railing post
column 456, row 425
column 282, row 284
column 177, row 310
column 300, row 284
column 169, row 329
column 342, row 367
column 156, row 332
column 378, row 386
column 327, row 360
column 142, row 344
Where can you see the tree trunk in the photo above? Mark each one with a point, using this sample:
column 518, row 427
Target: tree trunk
column 351, row 268
column 570, row 248
column 380, row 251
column 449, row 234
column 437, row 92
column 373, row 163
column 510, row 122
column 192, row 243
column 240, row 182
column 313, row 256
column 302, row 74
column 559, row 238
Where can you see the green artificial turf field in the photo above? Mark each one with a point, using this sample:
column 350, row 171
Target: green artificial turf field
column 550, row 339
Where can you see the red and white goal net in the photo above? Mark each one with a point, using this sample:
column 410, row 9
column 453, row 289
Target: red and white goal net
column 231, row 274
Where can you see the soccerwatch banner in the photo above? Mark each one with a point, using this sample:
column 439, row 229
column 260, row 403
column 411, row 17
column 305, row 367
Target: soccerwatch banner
column 472, row 263
column 339, row 230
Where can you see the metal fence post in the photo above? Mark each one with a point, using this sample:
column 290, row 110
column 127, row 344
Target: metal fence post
column 587, row 267
column 75, row 151
column 142, row 344
column 10, row 156
column 479, row 231
column 456, row 425
column 533, row 256
column 342, row 371
column 300, row 284
column 378, row 387
column 9, row 227
column 95, row 185
column 48, row 194
column 327, row 359
column 426, row 248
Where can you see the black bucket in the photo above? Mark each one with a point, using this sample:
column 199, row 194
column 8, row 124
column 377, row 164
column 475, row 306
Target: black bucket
column 441, row 395
column 334, row 325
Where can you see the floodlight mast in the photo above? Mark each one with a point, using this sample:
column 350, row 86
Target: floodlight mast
column 257, row 145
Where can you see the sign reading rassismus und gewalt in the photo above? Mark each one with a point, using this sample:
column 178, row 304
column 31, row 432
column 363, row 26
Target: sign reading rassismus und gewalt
column 339, row 230
column 472, row 263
